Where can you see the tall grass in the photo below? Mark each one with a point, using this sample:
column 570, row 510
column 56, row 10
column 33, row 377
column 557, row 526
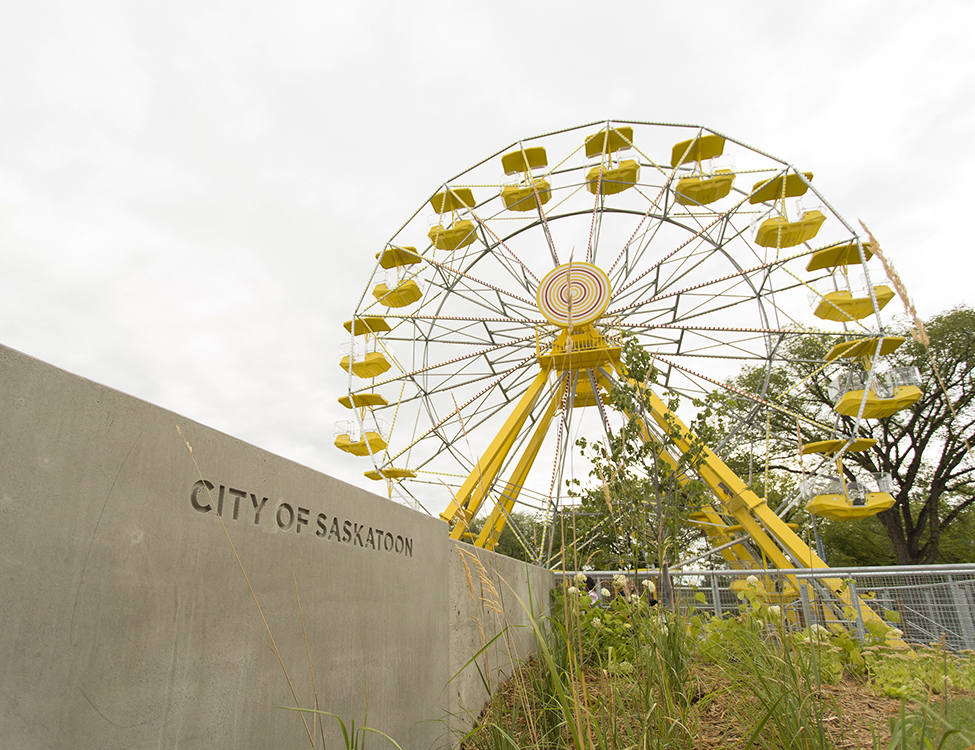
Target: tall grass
column 626, row 675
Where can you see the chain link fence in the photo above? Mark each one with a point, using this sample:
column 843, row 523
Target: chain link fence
column 927, row 603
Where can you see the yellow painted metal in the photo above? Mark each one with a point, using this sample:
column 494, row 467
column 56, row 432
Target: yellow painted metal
column 361, row 447
column 363, row 399
column 590, row 349
column 865, row 348
column 710, row 521
column 767, row 531
column 457, row 235
column 393, row 257
column 583, row 394
column 838, row 507
column 842, row 306
column 372, row 365
column 694, row 191
column 367, row 324
column 522, row 197
column 615, row 180
column 847, row 254
column 403, row 294
column 905, row 396
column 469, row 497
column 609, row 141
column 491, row 531
column 833, row 446
column 696, row 149
column 771, row 190
column 453, row 199
column 390, row 473
column 524, row 160
column 779, row 232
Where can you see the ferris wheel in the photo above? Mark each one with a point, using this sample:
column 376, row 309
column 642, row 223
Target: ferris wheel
column 489, row 336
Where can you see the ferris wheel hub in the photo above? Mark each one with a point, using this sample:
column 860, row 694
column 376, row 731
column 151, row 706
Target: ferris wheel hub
column 574, row 294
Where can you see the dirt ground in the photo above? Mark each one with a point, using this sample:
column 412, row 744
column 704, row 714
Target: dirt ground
column 853, row 715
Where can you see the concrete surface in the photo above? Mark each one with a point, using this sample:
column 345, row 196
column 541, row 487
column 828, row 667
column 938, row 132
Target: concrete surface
column 490, row 594
column 126, row 621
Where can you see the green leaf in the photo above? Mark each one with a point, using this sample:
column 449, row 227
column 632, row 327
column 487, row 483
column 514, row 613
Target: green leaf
column 892, row 616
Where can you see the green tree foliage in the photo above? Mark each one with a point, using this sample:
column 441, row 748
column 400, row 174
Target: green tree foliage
column 508, row 543
column 922, row 448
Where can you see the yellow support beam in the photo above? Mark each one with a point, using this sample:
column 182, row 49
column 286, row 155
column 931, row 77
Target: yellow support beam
column 488, row 538
column 471, row 493
column 751, row 511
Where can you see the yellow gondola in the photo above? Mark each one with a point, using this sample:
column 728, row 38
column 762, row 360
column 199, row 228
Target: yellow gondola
column 524, row 160
column 702, row 190
column 371, row 365
column 403, row 294
column 457, row 235
column 453, row 199
column 846, row 254
column 363, row 399
column 609, row 141
column 843, row 499
column 697, row 149
column 523, row 197
column 394, row 257
column 780, row 232
column 615, row 180
column 890, row 393
column 367, row 324
column 771, row 190
column 841, row 306
column 390, row 473
column 371, row 442
column 837, row 506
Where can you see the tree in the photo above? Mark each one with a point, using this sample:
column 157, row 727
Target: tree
column 508, row 543
column 922, row 448
column 632, row 512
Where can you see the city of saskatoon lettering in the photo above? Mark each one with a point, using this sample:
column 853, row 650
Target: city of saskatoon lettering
column 205, row 497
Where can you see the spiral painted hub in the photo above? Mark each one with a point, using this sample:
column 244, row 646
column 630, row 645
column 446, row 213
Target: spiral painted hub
column 581, row 289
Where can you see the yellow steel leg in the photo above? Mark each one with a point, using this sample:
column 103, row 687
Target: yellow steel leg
column 471, row 493
column 491, row 532
column 749, row 510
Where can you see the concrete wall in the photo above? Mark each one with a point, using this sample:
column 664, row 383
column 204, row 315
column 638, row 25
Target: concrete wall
column 490, row 595
column 125, row 618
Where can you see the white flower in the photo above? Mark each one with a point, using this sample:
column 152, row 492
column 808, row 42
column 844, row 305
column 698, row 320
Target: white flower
column 895, row 633
column 573, row 590
column 597, row 623
column 752, row 581
column 619, row 582
column 648, row 585
column 623, row 667
column 775, row 611
column 581, row 578
column 604, row 592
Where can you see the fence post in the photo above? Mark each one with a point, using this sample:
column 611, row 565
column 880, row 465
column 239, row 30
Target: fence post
column 715, row 595
column 804, row 599
column 965, row 624
column 855, row 599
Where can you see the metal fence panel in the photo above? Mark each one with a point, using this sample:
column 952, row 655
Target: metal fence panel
column 927, row 603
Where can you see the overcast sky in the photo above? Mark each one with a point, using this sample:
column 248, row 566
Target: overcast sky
column 192, row 193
